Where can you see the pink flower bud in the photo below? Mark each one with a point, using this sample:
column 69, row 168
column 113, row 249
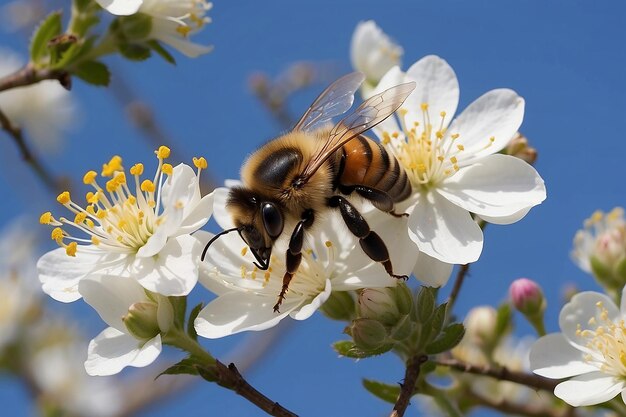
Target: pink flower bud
column 527, row 297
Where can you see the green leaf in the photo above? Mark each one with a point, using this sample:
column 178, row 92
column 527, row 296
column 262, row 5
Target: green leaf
column 191, row 330
column 135, row 27
column 187, row 366
column 350, row 350
column 438, row 319
column 48, row 29
column 385, row 392
column 425, row 304
column 93, row 72
column 179, row 304
column 162, row 52
column 503, row 320
column 134, row 52
column 450, row 337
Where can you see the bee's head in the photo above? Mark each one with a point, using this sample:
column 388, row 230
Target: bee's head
column 258, row 221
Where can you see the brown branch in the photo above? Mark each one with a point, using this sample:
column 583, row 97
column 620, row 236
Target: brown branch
column 29, row 75
column 501, row 373
column 527, row 409
column 458, row 283
column 28, row 156
column 229, row 377
column 408, row 385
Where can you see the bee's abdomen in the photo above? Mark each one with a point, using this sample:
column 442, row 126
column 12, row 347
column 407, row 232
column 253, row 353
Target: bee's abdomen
column 367, row 163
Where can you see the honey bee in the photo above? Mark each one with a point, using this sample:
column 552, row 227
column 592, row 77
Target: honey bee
column 314, row 168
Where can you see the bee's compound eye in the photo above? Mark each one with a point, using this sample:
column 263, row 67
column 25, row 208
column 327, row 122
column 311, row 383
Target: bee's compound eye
column 272, row 219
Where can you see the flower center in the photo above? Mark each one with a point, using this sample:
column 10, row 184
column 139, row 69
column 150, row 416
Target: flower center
column 309, row 280
column 607, row 343
column 115, row 218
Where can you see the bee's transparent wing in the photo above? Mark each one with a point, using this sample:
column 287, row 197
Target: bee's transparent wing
column 370, row 113
column 333, row 101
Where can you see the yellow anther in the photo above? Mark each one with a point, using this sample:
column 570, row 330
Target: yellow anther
column 45, row 218
column 454, row 136
column 253, row 274
column 57, row 234
column 95, row 240
column 386, row 138
column 328, row 243
column 492, row 139
column 151, row 203
column 163, row 152
column 64, row 197
column 148, row 186
column 395, row 135
column 596, row 216
column 266, row 276
column 456, row 167
column 120, row 239
column 440, row 158
column 200, row 162
column 80, row 217
column 115, row 164
column 101, row 214
column 403, row 112
column 120, row 178
column 424, row 106
column 90, row 223
column 111, row 185
column 93, row 198
column 90, row 177
column 439, row 134
column 90, row 209
column 136, row 169
column 167, row 169
column 421, row 168
column 70, row 249
column 132, row 200
column 183, row 30
column 453, row 160
column 243, row 271
column 460, row 147
column 442, row 114
column 244, row 250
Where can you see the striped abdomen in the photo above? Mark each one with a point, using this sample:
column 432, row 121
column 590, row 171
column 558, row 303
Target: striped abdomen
column 366, row 162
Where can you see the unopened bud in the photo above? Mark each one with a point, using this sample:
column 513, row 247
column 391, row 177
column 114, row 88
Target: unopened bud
column 141, row 320
column 368, row 334
column 519, row 148
column 379, row 304
column 527, row 297
column 480, row 325
column 339, row 306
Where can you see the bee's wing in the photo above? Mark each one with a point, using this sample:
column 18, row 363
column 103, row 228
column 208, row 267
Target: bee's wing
column 333, row 101
column 370, row 113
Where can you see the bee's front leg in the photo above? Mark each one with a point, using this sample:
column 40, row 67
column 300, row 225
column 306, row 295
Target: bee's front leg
column 293, row 255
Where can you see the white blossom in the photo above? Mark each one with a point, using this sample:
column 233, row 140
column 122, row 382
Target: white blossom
column 453, row 165
column 590, row 350
column 140, row 230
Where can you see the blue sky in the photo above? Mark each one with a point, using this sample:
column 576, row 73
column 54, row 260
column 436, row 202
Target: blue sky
column 566, row 58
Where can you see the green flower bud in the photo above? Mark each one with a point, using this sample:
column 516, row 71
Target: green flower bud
column 339, row 306
column 379, row 304
column 368, row 334
column 141, row 320
column 134, row 27
column 403, row 329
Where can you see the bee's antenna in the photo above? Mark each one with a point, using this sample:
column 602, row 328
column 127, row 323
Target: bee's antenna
column 206, row 248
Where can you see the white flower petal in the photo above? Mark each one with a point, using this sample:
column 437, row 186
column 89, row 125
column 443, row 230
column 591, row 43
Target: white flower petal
column 111, row 297
column 111, row 351
column 174, row 271
column 554, row 357
column 581, row 308
column 197, row 217
column 60, row 273
column 237, row 312
column 155, row 243
column 220, row 214
column 496, row 186
column 511, row 218
column 307, row 310
column 496, row 114
column 444, row 231
column 121, row 7
column 190, row 49
column 372, row 52
column 431, row 271
column 437, row 85
column 589, row 389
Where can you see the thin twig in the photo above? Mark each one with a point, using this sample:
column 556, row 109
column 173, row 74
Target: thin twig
column 229, row 377
column 30, row 75
column 527, row 409
column 408, row 385
column 458, row 283
column 501, row 373
column 28, row 156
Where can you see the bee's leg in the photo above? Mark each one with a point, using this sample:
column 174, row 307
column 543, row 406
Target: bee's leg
column 370, row 242
column 380, row 199
column 293, row 254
